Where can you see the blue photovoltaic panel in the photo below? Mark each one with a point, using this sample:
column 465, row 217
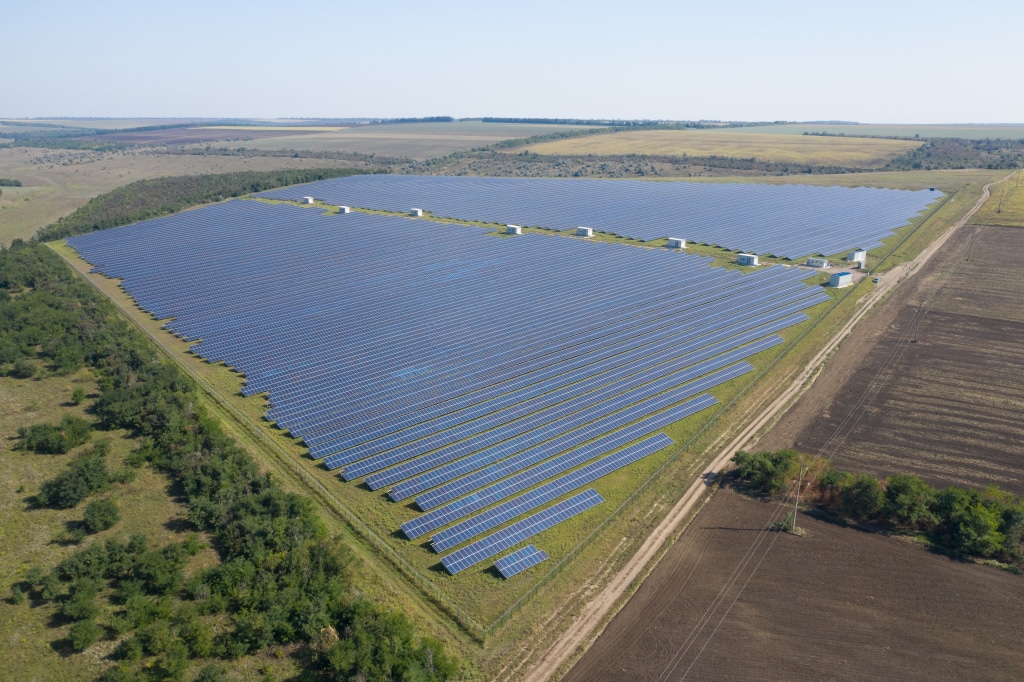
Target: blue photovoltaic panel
column 495, row 543
column 517, row 506
column 439, row 359
column 520, row 560
column 789, row 221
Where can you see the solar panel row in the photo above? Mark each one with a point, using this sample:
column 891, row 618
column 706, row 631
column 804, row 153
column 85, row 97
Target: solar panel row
column 785, row 220
column 552, row 490
column 384, row 345
column 497, row 542
column 520, row 560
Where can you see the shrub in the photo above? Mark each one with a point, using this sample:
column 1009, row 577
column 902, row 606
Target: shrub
column 966, row 525
column 48, row 439
column 85, row 475
column 766, row 472
column 78, row 395
column 101, row 515
column 84, row 634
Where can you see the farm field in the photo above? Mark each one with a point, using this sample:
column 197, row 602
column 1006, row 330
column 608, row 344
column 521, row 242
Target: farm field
column 970, row 132
column 946, row 408
column 199, row 135
column 838, row 604
column 1006, row 207
column 56, row 182
column 733, row 142
column 105, row 123
column 410, row 140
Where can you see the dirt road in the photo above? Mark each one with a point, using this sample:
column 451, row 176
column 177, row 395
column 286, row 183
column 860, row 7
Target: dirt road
column 579, row 633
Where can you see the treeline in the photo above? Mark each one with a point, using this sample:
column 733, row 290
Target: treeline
column 966, row 523
column 281, row 578
column 145, row 199
column 7, row 182
column 422, row 119
column 954, row 153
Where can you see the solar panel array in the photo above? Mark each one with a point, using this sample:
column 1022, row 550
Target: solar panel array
column 485, row 377
column 495, row 543
column 520, row 560
column 790, row 221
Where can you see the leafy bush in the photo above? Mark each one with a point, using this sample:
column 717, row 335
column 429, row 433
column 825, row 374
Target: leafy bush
column 101, row 515
column 861, row 497
column 48, row 439
column 768, row 473
column 908, row 502
column 86, row 475
column 84, row 634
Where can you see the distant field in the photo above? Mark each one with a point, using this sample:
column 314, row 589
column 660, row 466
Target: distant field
column 814, row 150
column 1006, row 206
column 971, row 132
column 108, row 123
column 412, row 140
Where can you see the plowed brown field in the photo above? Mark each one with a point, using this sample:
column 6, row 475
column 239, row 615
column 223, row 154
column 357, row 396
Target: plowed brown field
column 837, row 604
column 948, row 407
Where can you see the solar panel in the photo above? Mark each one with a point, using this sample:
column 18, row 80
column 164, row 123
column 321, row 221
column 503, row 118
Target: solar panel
column 520, row 560
column 517, row 506
column 790, row 221
column 495, row 543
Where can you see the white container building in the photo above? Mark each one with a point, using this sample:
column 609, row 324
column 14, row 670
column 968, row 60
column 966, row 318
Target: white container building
column 858, row 256
column 307, row 200
column 676, row 243
column 840, row 280
column 344, row 209
column 513, row 229
column 747, row 259
column 584, row 232
column 416, row 212
column 818, row 263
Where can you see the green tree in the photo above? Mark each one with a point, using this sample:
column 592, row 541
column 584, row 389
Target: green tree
column 966, row 525
column 768, row 473
column 908, row 502
column 861, row 497
column 78, row 395
column 101, row 515
column 86, row 474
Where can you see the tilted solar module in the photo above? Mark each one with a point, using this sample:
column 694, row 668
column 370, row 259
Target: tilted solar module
column 497, row 542
column 520, row 560
column 789, row 221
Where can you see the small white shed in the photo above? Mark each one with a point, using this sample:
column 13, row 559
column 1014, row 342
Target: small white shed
column 676, row 243
column 818, row 263
column 344, row 209
column 307, row 200
column 858, row 256
column 584, row 232
column 513, row 229
column 840, row 280
column 747, row 259
column 416, row 212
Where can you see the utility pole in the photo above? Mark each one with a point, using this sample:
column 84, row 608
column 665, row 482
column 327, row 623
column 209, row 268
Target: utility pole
column 796, row 501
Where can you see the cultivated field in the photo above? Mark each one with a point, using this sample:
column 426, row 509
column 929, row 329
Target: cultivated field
column 946, row 408
column 1006, row 207
column 828, row 151
column 411, row 140
column 970, row 132
column 837, row 604
column 199, row 135
column 58, row 181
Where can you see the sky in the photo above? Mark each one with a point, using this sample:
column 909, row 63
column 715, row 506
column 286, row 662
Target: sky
column 898, row 61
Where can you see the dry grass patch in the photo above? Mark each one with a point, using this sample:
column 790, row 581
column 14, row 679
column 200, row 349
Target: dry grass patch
column 797, row 149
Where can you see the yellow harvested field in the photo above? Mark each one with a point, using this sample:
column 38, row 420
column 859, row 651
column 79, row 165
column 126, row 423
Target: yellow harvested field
column 1006, row 205
column 283, row 129
column 800, row 149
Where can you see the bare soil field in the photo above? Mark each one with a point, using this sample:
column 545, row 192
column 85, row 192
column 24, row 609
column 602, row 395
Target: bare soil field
column 947, row 407
column 836, row 604
column 796, row 149
column 409, row 140
column 197, row 135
